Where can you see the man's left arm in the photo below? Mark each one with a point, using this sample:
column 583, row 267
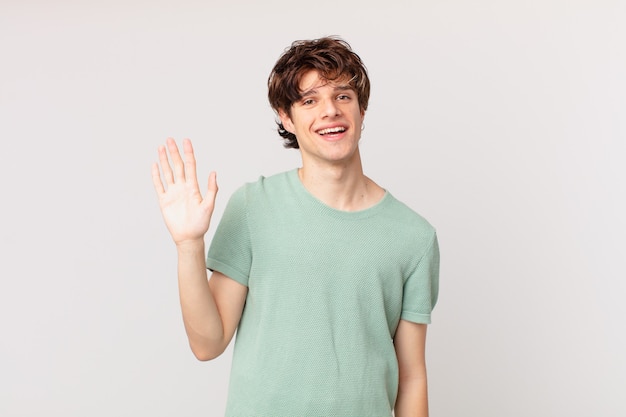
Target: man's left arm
column 410, row 345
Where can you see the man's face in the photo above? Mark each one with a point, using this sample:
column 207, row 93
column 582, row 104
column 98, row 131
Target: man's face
column 327, row 120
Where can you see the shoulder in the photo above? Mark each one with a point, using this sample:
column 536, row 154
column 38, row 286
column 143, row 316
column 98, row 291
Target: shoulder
column 268, row 183
column 264, row 189
column 414, row 234
column 401, row 213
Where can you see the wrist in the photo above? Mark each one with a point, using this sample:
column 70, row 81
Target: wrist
column 190, row 245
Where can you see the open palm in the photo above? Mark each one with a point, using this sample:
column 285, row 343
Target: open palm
column 186, row 213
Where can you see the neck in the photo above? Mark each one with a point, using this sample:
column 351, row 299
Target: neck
column 340, row 186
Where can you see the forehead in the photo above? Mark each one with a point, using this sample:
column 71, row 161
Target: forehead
column 311, row 80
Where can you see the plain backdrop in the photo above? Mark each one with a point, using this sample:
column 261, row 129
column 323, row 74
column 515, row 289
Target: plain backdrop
column 502, row 122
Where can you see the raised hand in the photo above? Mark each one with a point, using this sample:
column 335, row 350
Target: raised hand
column 186, row 213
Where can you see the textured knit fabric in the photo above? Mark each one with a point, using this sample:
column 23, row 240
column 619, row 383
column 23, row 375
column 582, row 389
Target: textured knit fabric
column 326, row 290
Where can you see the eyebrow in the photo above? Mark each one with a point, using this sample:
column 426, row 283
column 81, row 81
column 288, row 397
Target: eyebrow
column 313, row 91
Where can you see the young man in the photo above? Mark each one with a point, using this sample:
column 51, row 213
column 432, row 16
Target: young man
column 327, row 278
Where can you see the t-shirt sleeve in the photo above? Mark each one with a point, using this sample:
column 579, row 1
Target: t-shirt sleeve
column 421, row 289
column 230, row 250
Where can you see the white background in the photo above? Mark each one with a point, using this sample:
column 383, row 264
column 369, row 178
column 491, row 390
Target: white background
column 502, row 122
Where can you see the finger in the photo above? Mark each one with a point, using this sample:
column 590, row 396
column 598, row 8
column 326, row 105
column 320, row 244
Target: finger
column 177, row 161
column 156, row 179
column 165, row 166
column 190, row 163
column 209, row 198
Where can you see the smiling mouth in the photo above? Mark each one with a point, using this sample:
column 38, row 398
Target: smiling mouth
column 331, row 130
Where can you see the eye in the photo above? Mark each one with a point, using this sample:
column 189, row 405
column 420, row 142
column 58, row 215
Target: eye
column 307, row 102
column 343, row 97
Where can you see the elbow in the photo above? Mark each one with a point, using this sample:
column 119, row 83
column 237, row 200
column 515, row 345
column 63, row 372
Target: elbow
column 202, row 357
column 204, row 353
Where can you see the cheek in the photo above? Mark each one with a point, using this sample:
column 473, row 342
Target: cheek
column 295, row 123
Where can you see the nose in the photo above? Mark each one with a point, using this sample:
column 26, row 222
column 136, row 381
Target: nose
column 330, row 108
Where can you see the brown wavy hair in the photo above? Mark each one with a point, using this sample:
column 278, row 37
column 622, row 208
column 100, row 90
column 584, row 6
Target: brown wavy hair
column 331, row 57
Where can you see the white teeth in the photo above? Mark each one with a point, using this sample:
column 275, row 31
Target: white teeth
column 331, row 130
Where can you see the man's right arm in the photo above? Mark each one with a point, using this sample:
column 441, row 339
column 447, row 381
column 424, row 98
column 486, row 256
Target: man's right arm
column 211, row 308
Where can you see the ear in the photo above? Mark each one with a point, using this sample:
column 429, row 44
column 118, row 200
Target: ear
column 362, row 119
column 286, row 121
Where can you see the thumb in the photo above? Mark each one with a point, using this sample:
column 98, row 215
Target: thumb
column 211, row 189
